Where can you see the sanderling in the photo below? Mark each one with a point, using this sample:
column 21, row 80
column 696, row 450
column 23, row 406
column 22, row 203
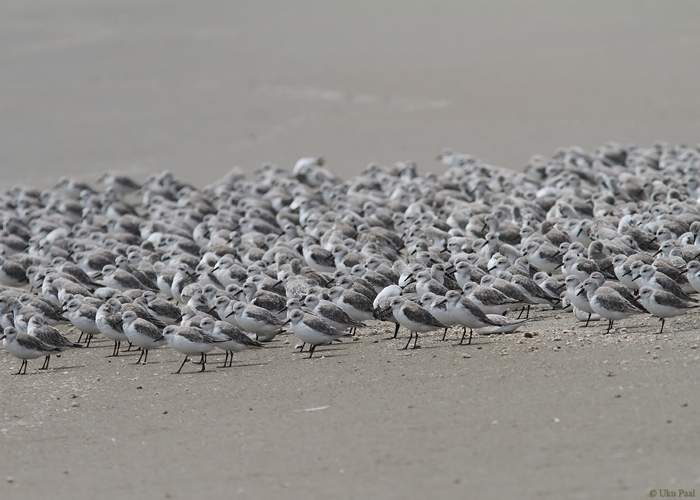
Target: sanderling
column 313, row 330
column 578, row 296
column 501, row 325
column 465, row 273
column 414, row 318
column 199, row 303
column 162, row 309
column 164, row 279
column 551, row 286
column 109, row 320
column 436, row 305
column 114, row 277
column 263, row 298
column 355, row 304
column 581, row 267
column 82, row 315
column 530, row 288
column 382, row 309
column 12, row 273
column 47, row 334
column 378, row 281
column 183, row 277
column 623, row 272
column 510, row 290
column 355, row 284
column 318, row 257
column 119, row 182
column 189, row 340
column 63, row 287
column 382, row 267
column 425, row 283
column 694, row 275
column 52, row 313
column 93, row 261
column 545, row 257
column 466, row 313
column 142, row 334
column 488, row 299
column 249, row 318
column 25, row 347
column 663, row 304
column 649, row 276
column 231, row 338
column 332, row 314
column 609, row 304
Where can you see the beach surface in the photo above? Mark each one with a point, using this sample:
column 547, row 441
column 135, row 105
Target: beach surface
column 198, row 88
column 567, row 413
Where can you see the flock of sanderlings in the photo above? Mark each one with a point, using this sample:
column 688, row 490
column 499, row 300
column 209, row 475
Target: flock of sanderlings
column 605, row 234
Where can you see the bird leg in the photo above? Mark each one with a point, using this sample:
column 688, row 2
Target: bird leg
column 23, row 365
column 183, row 364
column 415, row 341
column 610, row 325
column 407, row 343
column 464, row 333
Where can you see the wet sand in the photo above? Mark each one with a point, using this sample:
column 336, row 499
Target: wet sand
column 94, row 86
column 568, row 413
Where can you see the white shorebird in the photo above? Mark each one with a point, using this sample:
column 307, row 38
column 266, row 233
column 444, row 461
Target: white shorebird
column 313, row 330
column 162, row 309
column 663, row 304
column 82, row 315
column 355, row 304
column 467, row 314
column 25, row 347
column 437, row 306
column 142, row 334
column 109, row 320
column 332, row 314
column 231, row 339
column 501, row 325
column 382, row 309
column 578, row 297
column 39, row 329
column 414, row 318
column 609, row 304
column 544, row 256
column 189, row 340
column 694, row 275
column 249, row 318
column 649, row 276
column 488, row 299
column 510, row 290
column 117, row 278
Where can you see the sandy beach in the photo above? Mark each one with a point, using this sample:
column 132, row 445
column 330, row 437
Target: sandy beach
column 568, row 413
column 197, row 89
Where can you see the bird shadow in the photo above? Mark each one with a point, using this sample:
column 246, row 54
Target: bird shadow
column 242, row 365
column 62, row 368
